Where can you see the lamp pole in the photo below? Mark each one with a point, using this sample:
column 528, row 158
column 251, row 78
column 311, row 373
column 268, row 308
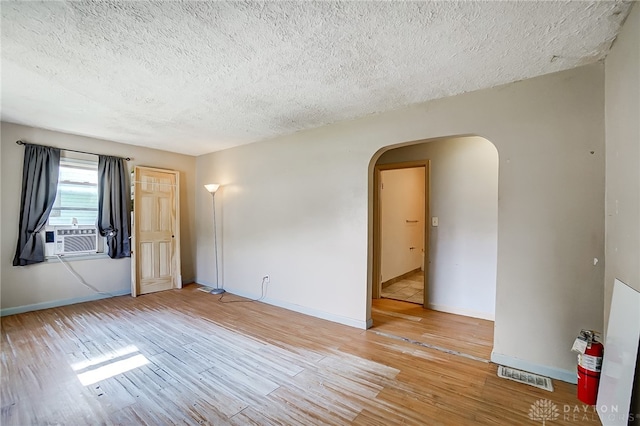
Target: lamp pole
column 212, row 188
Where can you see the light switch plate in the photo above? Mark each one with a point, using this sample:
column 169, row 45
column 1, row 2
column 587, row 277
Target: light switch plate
column 434, row 221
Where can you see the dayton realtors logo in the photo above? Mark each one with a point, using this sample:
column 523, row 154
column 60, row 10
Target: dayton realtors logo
column 543, row 410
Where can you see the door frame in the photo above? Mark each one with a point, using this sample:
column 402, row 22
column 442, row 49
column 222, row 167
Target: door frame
column 176, row 258
column 377, row 229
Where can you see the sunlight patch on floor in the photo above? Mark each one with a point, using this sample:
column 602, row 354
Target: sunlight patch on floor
column 112, row 369
column 130, row 349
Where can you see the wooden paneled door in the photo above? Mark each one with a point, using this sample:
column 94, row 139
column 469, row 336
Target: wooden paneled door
column 156, row 231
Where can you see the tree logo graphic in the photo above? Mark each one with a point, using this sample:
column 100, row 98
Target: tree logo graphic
column 543, row 410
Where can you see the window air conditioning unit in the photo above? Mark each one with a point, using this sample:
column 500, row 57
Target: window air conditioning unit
column 75, row 239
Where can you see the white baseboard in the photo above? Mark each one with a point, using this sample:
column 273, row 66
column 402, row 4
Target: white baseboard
column 56, row 303
column 520, row 364
column 461, row 311
column 203, row 282
column 298, row 308
column 316, row 313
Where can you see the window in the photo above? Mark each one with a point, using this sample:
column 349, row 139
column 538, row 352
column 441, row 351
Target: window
column 77, row 196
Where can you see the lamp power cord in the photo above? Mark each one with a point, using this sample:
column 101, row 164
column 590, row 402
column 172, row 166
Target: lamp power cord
column 262, row 295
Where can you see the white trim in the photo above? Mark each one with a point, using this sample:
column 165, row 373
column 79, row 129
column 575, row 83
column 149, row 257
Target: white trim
column 56, row 303
column 318, row 314
column 205, row 283
column 520, row 364
column 461, row 311
column 369, row 323
column 298, row 308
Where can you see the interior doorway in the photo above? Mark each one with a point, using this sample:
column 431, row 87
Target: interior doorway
column 461, row 223
column 460, row 247
column 401, row 208
column 402, row 232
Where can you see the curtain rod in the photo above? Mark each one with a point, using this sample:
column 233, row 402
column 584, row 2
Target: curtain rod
column 71, row 150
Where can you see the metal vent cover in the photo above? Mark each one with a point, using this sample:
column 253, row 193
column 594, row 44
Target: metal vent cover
column 525, row 377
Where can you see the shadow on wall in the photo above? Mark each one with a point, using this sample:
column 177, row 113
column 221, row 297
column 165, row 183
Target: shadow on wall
column 463, row 192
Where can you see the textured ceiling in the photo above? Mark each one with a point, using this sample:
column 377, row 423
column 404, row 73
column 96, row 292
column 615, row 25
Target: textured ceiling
column 196, row 77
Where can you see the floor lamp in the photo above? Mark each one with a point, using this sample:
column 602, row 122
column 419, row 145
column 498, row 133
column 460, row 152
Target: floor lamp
column 212, row 188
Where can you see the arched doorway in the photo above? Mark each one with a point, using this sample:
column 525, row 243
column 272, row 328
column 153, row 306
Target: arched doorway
column 461, row 217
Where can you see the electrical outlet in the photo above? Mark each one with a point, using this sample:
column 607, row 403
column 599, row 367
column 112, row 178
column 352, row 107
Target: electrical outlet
column 266, row 279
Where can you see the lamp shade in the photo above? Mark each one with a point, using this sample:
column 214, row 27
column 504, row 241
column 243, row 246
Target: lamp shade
column 212, row 187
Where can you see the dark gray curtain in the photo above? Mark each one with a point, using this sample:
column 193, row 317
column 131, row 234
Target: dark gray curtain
column 39, row 185
column 114, row 199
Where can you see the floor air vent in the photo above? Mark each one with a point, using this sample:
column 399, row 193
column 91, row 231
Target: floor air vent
column 525, row 377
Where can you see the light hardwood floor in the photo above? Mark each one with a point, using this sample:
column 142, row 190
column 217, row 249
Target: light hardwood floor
column 184, row 357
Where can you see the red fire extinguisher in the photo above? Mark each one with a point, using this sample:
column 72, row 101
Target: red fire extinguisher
column 589, row 366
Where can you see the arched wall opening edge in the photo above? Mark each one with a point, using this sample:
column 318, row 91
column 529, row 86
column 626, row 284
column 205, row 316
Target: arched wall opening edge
column 370, row 227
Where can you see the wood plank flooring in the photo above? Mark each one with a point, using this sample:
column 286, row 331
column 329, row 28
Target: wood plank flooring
column 184, row 357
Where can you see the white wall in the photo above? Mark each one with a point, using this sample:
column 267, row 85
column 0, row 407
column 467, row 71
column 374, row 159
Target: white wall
column 463, row 248
column 299, row 208
column 47, row 284
column 622, row 123
column 401, row 200
column 622, row 118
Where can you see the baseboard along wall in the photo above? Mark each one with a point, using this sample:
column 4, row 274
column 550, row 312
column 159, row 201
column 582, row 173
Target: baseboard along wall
column 57, row 303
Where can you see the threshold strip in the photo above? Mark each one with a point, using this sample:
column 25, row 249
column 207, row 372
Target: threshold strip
column 427, row 345
column 396, row 314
